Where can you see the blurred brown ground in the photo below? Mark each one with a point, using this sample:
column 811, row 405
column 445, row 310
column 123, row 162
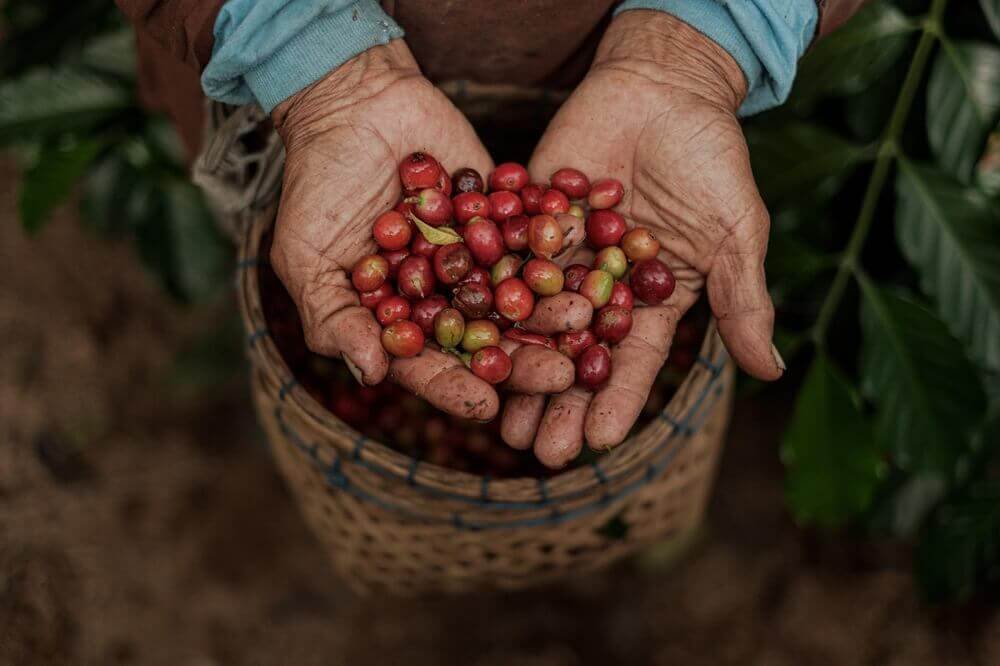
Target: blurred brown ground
column 144, row 524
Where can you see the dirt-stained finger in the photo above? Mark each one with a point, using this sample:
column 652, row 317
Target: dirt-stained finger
column 635, row 362
column 538, row 369
column 566, row 311
column 521, row 415
column 560, row 435
column 442, row 379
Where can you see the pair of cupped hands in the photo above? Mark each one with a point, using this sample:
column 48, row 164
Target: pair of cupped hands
column 657, row 111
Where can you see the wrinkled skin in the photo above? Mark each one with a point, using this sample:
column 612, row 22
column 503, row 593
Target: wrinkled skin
column 344, row 137
column 657, row 111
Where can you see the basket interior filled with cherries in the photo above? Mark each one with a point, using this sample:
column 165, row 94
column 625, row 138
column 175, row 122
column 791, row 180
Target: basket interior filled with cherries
column 462, row 262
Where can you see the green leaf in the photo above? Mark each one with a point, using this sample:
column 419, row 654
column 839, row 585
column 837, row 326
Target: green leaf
column 851, row 58
column 991, row 8
column 49, row 181
column 951, row 235
column 202, row 258
column 436, row 235
column 795, row 160
column 959, row 552
column 112, row 53
column 963, row 101
column 60, row 100
column 793, row 263
column 830, row 451
column 928, row 394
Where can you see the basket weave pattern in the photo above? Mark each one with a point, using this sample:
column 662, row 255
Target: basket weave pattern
column 392, row 522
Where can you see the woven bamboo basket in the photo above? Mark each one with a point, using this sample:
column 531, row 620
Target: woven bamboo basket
column 391, row 522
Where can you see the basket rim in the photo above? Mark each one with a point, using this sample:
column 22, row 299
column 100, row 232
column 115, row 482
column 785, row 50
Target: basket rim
column 267, row 360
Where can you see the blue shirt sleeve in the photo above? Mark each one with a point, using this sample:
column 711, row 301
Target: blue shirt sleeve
column 766, row 38
column 268, row 51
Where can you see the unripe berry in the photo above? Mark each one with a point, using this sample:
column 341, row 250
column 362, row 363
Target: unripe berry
column 596, row 288
column 612, row 260
column 480, row 333
column 507, row 267
column 449, row 327
column 543, row 277
column 640, row 244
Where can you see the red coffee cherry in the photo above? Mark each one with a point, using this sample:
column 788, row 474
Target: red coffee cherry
column 369, row 272
column 596, row 288
column 392, row 231
column 605, row 193
column 515, row 232
column 477, row 275
column 652, row 281
column 554, row 202
column 612, row 323
column 452, row 263
column 467, row 179
column 491, row 364
column 416, row 278
column 468, row 205
column 371, row 299
column 394, row 258
column 543, row 277
column 418, row 171
column 432, row 206
column 484, row 241
column 640, row 244
column 574, row 275
column 574, row 343
column 525, row 338
column 505, row 204
column 509, row 176
column 425, row 310
column 392, row 309
column 403, row 339
column 514, row 299
column 545, row 236
column 593, row 367
column 571, row 182
column 531, row 197
column 621, row 295
column 473, row 300
column 422, row 247
column 605, row 228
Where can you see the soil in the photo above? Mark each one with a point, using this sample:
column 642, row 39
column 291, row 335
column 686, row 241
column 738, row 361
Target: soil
column 142, row 522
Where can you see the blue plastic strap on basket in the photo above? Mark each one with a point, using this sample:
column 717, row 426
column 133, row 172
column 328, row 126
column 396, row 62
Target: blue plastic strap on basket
column 599, row 473
column 411, row 475
column 484, row 489
column 256, row 335
column 359, row 444
column 249, row 262
column 543, row 490
column 286, row 387
column 716, row 369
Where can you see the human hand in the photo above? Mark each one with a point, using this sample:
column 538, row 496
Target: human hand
column 657, row 111
column 344, row 138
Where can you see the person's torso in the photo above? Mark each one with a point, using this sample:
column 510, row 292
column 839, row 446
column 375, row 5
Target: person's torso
column 526, row 42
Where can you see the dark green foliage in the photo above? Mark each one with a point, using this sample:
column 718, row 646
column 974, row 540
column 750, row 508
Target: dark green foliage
column 909, row 462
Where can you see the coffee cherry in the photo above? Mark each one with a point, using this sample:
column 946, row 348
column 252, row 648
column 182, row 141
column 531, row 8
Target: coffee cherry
column 612, row 260
column 576, row 211
column 640, row 244
column 449, row 327
column 574, row 275
column 545, row 236
column 418, row 171
column 467, row 179
column 621, row 295
column 508, row 176
column 371, row 299
column 394, row 259
column 431, row 206
column 593, row 367
column 403, row 339
column 507, row 267
column 505, row 204
column 531, row 197
column 605, row 193
column 478, row 334
column 416, row 278
column 491, row 364
column 369, row 272
column 452, row 263
column 543, row 277
column 392, row 309
column 515, row 232
column 571, row 182
column 652, row 281
column 422, row 247
column 443, row 184
column 469, row 205
column 554, row 202
column 605, row 228
column 392, row 231
column 514, row 299
column 484, row 241
column 596, row 288
column 473, row 300
column 425, row 310
column 502, row 322
column 525, row 338
column 477, row 275
column 612, row 323
column 574, row 343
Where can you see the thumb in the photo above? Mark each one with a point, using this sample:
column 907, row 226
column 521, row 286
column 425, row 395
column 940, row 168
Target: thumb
column 737, row 293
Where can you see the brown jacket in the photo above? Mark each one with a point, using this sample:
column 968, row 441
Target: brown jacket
column 534, row 42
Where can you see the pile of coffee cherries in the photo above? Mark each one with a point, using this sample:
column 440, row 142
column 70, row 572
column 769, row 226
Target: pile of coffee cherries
column 461, row 268
column 411, row 425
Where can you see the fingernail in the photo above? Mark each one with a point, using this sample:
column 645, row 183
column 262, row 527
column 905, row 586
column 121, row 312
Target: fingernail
column 777, row 358
column 355, row 370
